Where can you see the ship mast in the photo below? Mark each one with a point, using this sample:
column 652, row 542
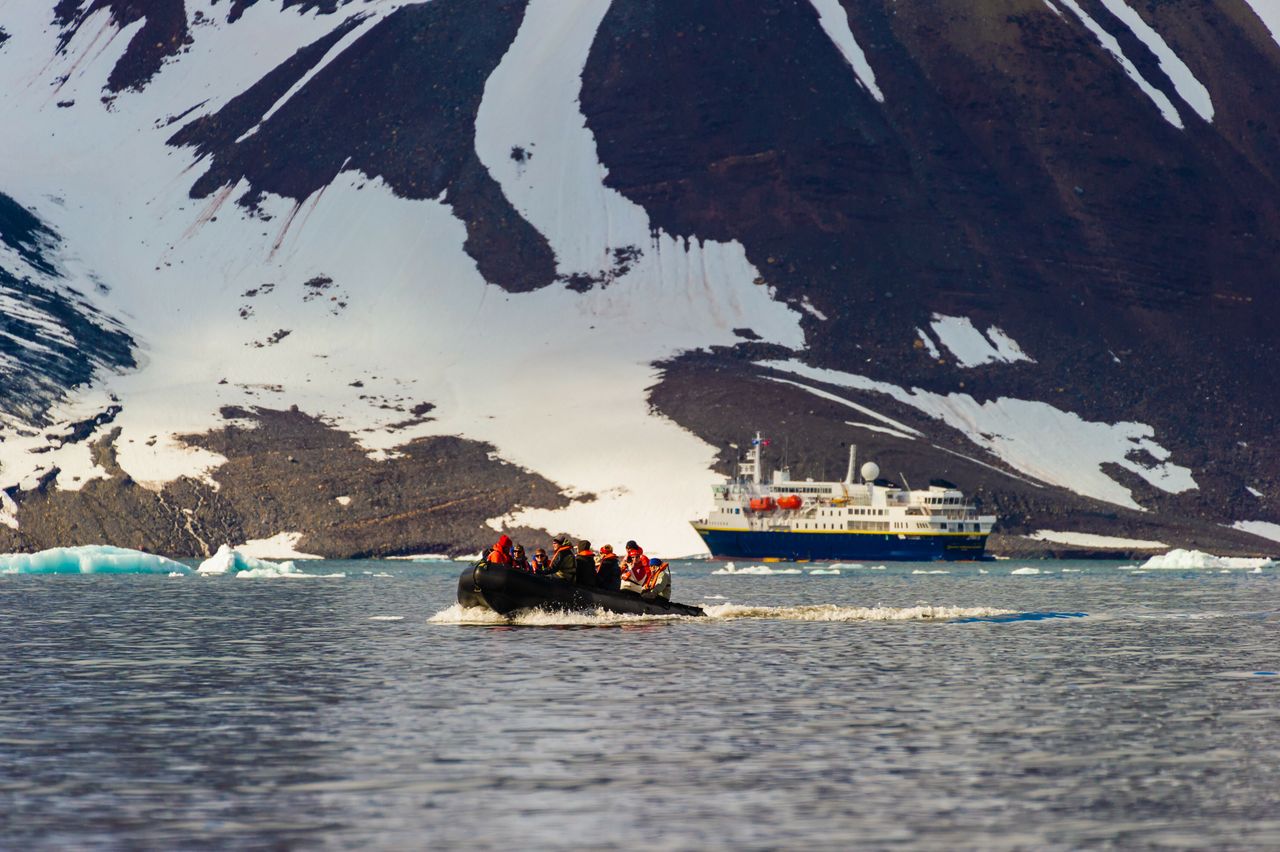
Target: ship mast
column 752, row 466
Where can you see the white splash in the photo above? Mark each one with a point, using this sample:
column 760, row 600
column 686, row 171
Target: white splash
column 459, row 615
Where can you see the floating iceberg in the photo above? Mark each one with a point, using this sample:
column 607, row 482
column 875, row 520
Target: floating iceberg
column 228, row 560
column 1025, row 571
column 90, row 559
column 1184, row 560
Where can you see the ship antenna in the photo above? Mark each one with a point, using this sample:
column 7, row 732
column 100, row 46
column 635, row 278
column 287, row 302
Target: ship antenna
column 903, row 477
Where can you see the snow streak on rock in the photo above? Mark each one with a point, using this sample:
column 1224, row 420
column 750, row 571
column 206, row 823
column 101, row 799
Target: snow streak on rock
column 1054, row 446
column 970, row 347
column 1109, row 43
column 835, row 23
column 1189, row 88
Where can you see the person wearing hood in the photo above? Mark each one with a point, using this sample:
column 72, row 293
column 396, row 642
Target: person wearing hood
column 585, row 562
column 635, row 569
column 501, row 553
column 520, row 562
column 564, row 564
column 608, row 571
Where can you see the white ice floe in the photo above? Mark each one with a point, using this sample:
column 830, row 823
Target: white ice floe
column 1262, row 529
column 933, row 571
column 386, row 618
column 280, row 546
column 1094, row 540
column 1046, row 443
column 835, row 23
column 1183, row 560
column 1109, row 43
column 1188, row 87
column 818, row 572
column 1268, row 11
column 90, row 559
column 1025, row 571
column 970, row 347
column 229, row 560
column 754, row 570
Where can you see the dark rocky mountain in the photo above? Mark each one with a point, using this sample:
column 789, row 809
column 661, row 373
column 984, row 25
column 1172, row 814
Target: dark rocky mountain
column 1032, row 246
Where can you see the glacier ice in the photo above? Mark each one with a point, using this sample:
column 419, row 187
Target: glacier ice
column 228, row 560
column 89, row 559
column 1179, row 559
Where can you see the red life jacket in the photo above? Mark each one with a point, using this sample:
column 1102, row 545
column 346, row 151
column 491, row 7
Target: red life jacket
column 636, row 568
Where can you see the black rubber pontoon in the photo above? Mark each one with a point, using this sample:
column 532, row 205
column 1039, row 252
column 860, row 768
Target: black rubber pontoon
column 506, row 590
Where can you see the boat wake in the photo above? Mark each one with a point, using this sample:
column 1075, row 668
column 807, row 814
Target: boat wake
column 458, row 614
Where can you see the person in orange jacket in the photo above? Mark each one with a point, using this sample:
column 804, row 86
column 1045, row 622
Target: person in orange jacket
column 563, row 563
column 586, row 565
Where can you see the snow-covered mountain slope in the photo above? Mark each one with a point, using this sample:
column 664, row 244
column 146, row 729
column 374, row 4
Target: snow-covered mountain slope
column 1034, row 242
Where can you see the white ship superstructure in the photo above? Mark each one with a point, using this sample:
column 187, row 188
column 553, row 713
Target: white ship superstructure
column 861, row 517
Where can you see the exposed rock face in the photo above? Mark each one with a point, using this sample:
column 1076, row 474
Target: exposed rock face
column 51, row 337
column 286, row 471
column 398, row 104
column 999, row 223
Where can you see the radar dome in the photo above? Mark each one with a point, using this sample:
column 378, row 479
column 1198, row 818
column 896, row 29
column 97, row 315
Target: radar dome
column 870, row 472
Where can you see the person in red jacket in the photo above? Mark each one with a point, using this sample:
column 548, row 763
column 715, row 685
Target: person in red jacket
column 501, row 552
column 635, row 569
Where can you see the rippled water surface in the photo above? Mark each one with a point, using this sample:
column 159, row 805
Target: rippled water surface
column 870, row 709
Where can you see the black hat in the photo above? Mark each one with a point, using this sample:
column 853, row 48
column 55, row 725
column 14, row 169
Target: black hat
column 631, row 545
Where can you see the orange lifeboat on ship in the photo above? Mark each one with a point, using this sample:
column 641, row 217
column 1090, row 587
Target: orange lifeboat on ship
column 791, row 501
column 762, row 504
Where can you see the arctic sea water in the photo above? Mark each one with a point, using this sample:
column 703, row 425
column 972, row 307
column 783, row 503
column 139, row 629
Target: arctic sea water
column 1047, row 705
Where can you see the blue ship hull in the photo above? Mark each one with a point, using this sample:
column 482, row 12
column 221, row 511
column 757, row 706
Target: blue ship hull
column 844, row 546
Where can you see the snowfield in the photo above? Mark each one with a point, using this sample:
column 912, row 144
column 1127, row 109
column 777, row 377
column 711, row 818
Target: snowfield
column 181, row 272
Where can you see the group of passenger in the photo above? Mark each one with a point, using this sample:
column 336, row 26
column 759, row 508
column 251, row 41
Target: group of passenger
column 647, row 576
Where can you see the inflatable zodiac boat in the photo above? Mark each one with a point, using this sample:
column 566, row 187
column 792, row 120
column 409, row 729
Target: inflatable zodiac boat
column 506, row 590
